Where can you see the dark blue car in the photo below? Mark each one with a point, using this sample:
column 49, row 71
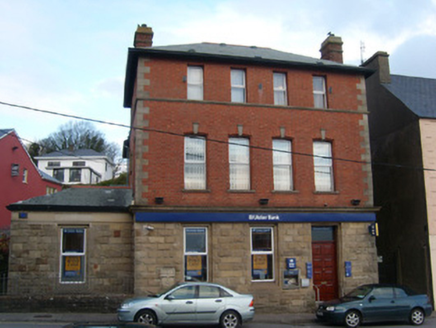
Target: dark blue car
column 376, row 303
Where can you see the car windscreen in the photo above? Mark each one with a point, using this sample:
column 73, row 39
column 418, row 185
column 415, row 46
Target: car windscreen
column 359, row 292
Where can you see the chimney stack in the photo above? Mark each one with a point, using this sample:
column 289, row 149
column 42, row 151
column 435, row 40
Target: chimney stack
column 143, row 37
column 331, row 48
column 380, row 62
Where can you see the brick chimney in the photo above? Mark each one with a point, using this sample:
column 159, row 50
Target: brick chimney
column 331, row 48
column 380, row 62
column 143, row 36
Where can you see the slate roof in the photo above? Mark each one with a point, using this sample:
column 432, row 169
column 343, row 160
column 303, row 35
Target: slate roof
column 230, row 53
column 5, row 132
column 417, row 93
column 79, row 200
column 74, row 153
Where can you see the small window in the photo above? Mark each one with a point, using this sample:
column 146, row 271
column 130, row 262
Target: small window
column 53, row 164
column 195, row 254
column 282, row 165
column 323, row 166
column 75, row 175
column 58, row 174
column 238, row 85
column 195, row 163
column 239, row 162
column 73, row 255
column 25, row 175
column 319, row 92
column 15, row 170
column 280, row 96
column 195, row 82
column 79, row 163
column 262, row 253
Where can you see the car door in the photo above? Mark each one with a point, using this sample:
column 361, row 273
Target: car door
column 403, row 304
column 210, row 304
column 380, row 305
column 180, row 305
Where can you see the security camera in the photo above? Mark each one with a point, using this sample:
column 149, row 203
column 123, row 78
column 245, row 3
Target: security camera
column 149, row 228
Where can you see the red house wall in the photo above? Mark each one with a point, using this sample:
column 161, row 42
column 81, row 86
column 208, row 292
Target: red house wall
column 13, row 189
column 261, row 121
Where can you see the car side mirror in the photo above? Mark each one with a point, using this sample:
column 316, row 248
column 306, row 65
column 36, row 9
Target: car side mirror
column 372, row 298
column 169, row 297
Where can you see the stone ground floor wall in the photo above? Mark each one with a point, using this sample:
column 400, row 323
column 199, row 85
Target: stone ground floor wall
column 35, row 254
column 159, row 260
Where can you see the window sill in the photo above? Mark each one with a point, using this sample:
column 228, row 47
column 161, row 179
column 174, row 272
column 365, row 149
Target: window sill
column 285, row 192
column 326, row 192
column 241, row 191
column 196, row 190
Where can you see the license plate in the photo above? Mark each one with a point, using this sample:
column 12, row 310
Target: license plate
column 320, row 313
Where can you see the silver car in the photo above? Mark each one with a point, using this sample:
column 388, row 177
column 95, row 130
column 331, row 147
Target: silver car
column 190, row 302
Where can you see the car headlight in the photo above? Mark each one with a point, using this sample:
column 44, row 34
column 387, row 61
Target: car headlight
column 126, row 305
column 330, row 308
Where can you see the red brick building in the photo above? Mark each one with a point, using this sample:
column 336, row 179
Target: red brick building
column 250, row 167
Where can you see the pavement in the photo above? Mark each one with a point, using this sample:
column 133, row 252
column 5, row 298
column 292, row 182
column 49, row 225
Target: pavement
column 303, row 319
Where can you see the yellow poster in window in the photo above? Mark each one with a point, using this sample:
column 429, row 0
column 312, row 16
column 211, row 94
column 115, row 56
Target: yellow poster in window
column 72, row 263
column 193, row 262
column 260, row 262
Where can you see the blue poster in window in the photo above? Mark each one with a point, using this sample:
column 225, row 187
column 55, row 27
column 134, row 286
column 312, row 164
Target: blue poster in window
column 291, row 263
column 347, row 269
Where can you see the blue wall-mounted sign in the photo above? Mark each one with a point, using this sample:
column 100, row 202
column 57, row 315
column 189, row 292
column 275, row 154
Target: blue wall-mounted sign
column 347, row 269
column 253, row 217
column 291, row 263
column 309, row 270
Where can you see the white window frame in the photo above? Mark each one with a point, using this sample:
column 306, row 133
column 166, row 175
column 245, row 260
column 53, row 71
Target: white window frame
column 189, row 253
column 73, row 175
column 237, row 88
column 195, row 89
column 282, row 161
column 317, row 93
column 271, row 252
column 72, row 254
column 197, row 185
column 239, row 165
column 280, row 90
column 323, row 166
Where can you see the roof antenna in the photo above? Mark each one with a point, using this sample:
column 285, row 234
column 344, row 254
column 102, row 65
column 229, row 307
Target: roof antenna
column 362, row 50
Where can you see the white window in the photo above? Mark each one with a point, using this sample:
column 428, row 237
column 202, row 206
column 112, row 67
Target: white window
column 73, row 250
column 25, row 176
column 239, row 162
column 75, row 175
column 319, row 94
column 280, row 97
column 262, row 253
column 195, row 162
column 282, row 164
column 323, row 166
column 195, row 250
column 238, row 85
column 195, row 82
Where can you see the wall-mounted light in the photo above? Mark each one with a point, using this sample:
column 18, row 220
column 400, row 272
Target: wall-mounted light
column 184, row 78
column 195, row 126
column 355, row 202
column 263, row 201
column 159, row 200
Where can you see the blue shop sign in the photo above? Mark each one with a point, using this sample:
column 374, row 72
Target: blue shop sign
column 252, row 217
column 309, row 270
column 291, row 263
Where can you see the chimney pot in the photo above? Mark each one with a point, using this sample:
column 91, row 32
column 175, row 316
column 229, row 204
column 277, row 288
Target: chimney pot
column 143, row 36
column 331, row 48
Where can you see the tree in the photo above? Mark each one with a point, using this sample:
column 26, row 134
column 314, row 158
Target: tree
column 78, row 135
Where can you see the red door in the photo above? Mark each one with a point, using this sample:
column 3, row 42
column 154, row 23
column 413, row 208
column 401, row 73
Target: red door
column 324, row 269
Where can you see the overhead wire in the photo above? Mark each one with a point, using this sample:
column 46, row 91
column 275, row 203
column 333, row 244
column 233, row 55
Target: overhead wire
column 146, row 129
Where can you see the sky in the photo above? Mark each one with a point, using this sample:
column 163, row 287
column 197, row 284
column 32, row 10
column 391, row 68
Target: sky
column 69, row 56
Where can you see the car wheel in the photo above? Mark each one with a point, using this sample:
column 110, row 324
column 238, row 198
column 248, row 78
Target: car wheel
column 417, row 317
column 230, row 319
column 352, row 319
column 147, row 317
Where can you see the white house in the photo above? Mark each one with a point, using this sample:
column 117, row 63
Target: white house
column 82, row 166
